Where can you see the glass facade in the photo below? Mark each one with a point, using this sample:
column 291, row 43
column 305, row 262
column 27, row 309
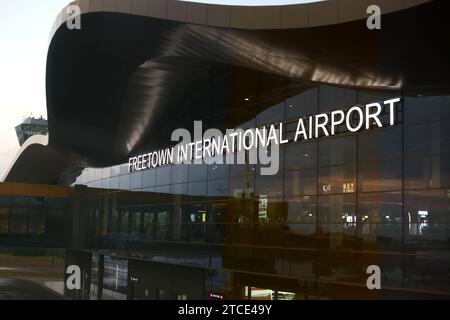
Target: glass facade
column 337, row 205
column 42, row 221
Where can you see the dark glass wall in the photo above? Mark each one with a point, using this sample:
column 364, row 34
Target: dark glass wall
column 33, row 221
column 337, row 205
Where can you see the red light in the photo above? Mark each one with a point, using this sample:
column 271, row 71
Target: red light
column 221, row 297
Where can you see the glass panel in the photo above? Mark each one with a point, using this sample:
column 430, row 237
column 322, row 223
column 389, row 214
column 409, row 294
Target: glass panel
column 106, row 173
column 98, row 174
column 337, row 150
column 337, row 217
column 4, row 220
column 300, row 182
column 303, row 104
column 340, row 179
column 380, row 144
column 123, row 168
column 161, row 294
column 148, row 179
column 149, row 225
column 217, row 171
column 302, row 215
column 380, row 215
column 162, row 176
column 114, row 183
column 115, row 171
column 427, row 216
column 217, row 214
column 241, row 169
column 18, row 221
column 333, row 98
column 197, row 172
column 196, row 218
column 428, row 139
column 90, row 175
column 136, row 180
column 124, row 182
column 271, row 186
column 426, row 109
column 55, row 222
column 163, row 189
column 197, row 188
column 427, row 235
column 180, row 189
column 301, row 155
column 123, row 223
column 427, row 172
column 106, row 184
column 115, row 276
column 380, row 176
column 271, row 115
column 135, row 224
column 218, row 188
column 242, row 187
column 270, row 211
column 179, row 173
column 162, row 225
column 36, row 224
column 365, row 97
column 5, row 201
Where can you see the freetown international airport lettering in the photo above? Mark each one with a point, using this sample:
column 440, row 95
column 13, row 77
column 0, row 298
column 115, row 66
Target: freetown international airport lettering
column 213, row 148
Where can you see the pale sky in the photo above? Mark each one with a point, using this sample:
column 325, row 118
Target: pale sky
column 24, row 34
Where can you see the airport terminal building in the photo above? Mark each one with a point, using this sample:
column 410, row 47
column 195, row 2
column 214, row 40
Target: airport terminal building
column 361, row 156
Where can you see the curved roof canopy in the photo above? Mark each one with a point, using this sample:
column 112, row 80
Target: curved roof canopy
column 140, row 68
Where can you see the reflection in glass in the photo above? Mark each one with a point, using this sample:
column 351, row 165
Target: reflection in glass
column 136, row 180
column 197, row 172
column 37, row 221
column 300, row 155
column 197, row 188
column 148, row 178
column 380, row 215
column 334, row 98
column 124, row 182
column 339, row 179
column 302, row 215
column 4, row 220
column 271, row 186
column 303, row 104
column 380, row 145
column 337, row 151
column 300, row 182
column 427, row 139
column 218, row 188
column 427, row 172
column 162, row 176
column 115, row 276
column 426, row 109
column 337, row 217
column 427, row 215
column 380, row 176
column 179, row 173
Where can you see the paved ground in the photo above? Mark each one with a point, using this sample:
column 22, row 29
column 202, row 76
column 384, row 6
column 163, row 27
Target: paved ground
column 18, row 289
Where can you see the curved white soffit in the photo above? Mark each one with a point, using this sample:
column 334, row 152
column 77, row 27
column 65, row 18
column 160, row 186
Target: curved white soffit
column 33, row 140
column 301, row 15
